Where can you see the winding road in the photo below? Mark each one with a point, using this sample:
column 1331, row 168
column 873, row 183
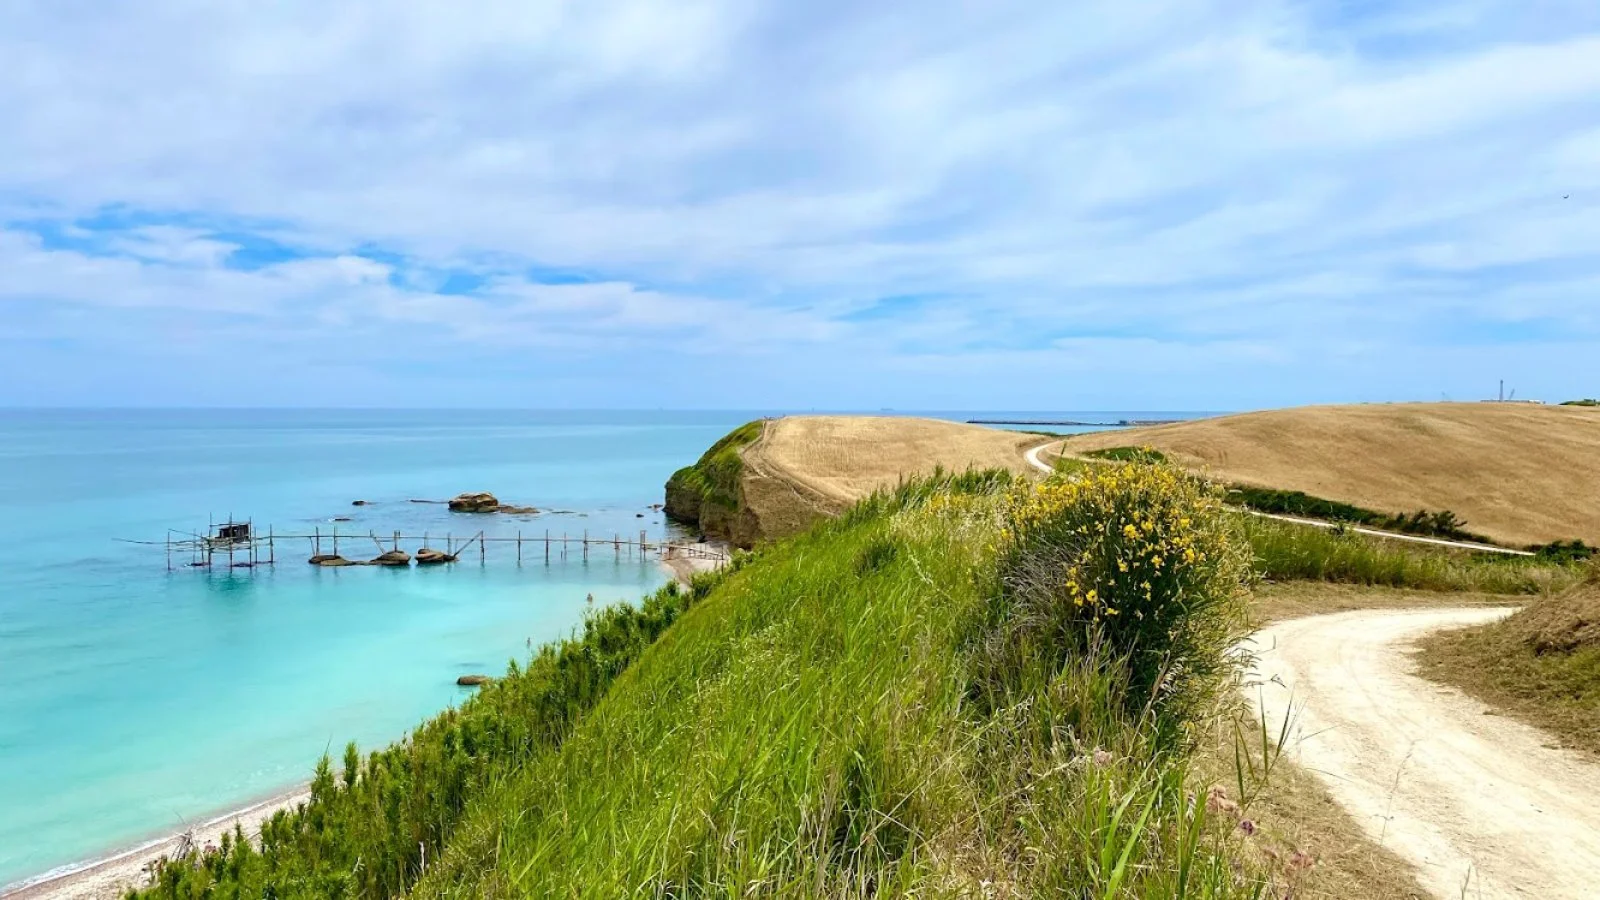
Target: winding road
column 1481, row 805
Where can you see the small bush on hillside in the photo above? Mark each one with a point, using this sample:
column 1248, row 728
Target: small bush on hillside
column 1135, row 563
column 1441, row 524
column 1564, row 551
column 1129, row 454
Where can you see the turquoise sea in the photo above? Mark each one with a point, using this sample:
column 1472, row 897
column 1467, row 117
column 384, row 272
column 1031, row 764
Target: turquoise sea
column 134, row 699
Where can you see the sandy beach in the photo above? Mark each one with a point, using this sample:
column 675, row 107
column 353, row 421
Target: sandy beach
column 109, row 878
column 689, row 559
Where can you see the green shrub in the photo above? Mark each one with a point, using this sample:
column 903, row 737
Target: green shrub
column 1443, row 524
column 1136, row 563
column 1564, row 551
column 1129, row 454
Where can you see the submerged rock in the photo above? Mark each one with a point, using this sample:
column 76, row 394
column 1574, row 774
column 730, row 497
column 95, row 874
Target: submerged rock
column 479, row 502
column 359, row 502
column 426, row 556
column 329, row 560
column 473, row 680
column 517, row 510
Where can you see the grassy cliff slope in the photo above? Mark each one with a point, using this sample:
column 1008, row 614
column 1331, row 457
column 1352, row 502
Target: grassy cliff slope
column 709, row 494
column 1519, row 474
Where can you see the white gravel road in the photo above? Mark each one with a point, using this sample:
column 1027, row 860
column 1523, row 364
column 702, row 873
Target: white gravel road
column 1482, row 805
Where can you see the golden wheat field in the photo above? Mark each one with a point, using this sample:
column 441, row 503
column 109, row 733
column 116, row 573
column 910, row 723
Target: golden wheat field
column 836, row 460
column 1517, row 473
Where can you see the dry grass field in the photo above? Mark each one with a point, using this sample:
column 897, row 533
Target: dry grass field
column 804, row 467
column 1517, row 473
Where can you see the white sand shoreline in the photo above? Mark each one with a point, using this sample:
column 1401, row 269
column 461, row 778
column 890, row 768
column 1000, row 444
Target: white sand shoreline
column 110, row 876
column 710, row 556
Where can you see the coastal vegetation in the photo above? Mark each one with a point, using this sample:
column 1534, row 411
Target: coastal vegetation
column 1285, row 551
column 965, row 685
column 708, row 493
column 1542, row 664
column 1587, row 401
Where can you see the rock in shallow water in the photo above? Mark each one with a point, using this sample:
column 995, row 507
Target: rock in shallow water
column 482, row 501
column 473, row 680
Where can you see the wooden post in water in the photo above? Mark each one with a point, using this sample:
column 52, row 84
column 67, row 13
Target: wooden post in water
column 480, row 548
column 586, row 545
column 316, row 541
column 547, row 546
column 397, row 540
column 335, row 540
column 272, row 551
column 519, row 546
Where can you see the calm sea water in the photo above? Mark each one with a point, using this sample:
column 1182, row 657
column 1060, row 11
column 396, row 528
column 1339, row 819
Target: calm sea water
column 134, row 699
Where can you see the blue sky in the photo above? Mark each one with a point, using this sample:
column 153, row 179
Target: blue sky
column 1172, row 204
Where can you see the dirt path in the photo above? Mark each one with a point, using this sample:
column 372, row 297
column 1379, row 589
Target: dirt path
column 1041, row 465
column 1483, row 806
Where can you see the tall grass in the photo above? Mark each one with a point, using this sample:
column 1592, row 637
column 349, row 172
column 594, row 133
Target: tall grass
column 882, row 707
column 1285, row 551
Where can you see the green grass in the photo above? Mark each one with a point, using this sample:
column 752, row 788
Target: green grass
column 1129, row 454
column 715, row 476
column 1285, row 551
column 864, row 710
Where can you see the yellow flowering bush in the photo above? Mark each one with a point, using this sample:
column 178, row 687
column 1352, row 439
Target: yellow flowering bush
column 1135, row 561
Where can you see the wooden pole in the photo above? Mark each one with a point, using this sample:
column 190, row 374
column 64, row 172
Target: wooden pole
column 316, row 541
column 547, row 546
column 519, row 546
column 586, row 545
column 335, row 540
column 272, row 550
column 480, row 548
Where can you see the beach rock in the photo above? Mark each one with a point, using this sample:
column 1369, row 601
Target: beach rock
column 427, row 556
column 393, row 558
column 473, row 680
column 517, row 510
column 329, row 560
column 479, row 502
column 359, row 502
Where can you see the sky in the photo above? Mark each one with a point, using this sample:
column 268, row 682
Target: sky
column 1161, row 205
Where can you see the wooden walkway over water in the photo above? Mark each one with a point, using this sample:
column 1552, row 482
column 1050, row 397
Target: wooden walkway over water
column 240, row 546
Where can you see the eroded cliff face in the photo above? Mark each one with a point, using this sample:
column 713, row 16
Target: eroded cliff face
column 710, row 495
column 738, row 524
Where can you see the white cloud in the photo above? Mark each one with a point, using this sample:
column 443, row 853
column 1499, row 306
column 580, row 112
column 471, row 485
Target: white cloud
column 742, row 174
